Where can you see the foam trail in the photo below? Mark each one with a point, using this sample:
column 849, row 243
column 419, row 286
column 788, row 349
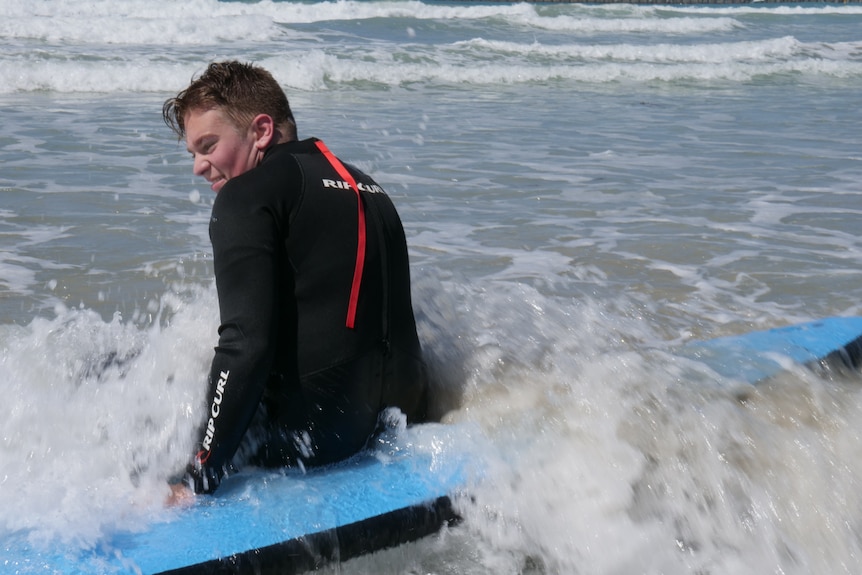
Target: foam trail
column 99, row 415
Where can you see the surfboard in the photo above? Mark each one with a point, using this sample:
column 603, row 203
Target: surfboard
column 831, row 343
column 275, row 521
column 289, row 522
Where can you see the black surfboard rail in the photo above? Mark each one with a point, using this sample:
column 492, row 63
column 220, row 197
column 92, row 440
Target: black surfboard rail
column 310, row 552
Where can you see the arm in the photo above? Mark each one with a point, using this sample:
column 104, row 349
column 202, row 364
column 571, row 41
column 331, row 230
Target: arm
column 244, row 238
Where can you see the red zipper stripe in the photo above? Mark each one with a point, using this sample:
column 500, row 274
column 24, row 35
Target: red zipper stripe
column 360, row 244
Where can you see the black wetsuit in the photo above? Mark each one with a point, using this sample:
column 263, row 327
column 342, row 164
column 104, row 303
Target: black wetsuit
column 288, row 368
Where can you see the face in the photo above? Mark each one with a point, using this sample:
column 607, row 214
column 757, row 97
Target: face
column 219, row 149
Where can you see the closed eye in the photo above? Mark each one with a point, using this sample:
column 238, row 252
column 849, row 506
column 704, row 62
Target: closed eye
column 202, row 146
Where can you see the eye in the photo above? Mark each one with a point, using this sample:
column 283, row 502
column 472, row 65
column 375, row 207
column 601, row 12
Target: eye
column 203, row 147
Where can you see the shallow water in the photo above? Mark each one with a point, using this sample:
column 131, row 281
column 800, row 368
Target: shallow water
column 584, row 188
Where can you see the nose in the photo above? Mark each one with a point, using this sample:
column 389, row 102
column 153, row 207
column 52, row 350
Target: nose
column 201, row 166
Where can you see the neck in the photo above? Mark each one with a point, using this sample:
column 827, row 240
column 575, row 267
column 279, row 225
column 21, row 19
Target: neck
column 281, row 136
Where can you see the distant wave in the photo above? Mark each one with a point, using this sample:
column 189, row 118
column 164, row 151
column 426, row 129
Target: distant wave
column 106, row 46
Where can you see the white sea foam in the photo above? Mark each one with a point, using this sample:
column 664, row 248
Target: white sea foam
column 102, row 407
column 145, row 46
column 766, row 10
column 765, row 50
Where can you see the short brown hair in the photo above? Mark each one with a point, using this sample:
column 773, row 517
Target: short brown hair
column 241, row 91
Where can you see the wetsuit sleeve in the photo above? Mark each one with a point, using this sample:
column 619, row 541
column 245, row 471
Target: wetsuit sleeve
column 244, row 238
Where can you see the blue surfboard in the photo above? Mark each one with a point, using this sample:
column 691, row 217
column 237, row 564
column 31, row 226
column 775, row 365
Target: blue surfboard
column 275, row 522
column 833, row 343
column 290, row 522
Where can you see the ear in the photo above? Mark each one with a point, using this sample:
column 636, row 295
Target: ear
column 263, row 130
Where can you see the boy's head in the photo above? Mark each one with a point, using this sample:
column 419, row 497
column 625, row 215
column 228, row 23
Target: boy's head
column 240, row 91
column 229, row 117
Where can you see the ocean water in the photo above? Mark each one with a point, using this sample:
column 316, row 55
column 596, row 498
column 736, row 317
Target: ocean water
column 584, row 189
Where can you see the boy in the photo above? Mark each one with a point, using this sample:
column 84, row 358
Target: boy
column 317, row 331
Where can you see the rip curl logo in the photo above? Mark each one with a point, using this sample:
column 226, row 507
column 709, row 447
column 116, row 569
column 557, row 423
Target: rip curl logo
column 215, row 410
column 342, row 185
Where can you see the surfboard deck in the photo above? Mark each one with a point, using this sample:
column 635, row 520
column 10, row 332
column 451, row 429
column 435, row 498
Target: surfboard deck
column 275, row 522
column 830, row 343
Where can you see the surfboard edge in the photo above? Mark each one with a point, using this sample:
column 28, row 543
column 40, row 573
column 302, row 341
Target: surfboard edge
column 341, row 543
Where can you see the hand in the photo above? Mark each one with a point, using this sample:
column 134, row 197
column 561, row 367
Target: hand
column 181, row 496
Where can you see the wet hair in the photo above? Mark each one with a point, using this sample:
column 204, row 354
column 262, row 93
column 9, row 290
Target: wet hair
column 241, row 91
